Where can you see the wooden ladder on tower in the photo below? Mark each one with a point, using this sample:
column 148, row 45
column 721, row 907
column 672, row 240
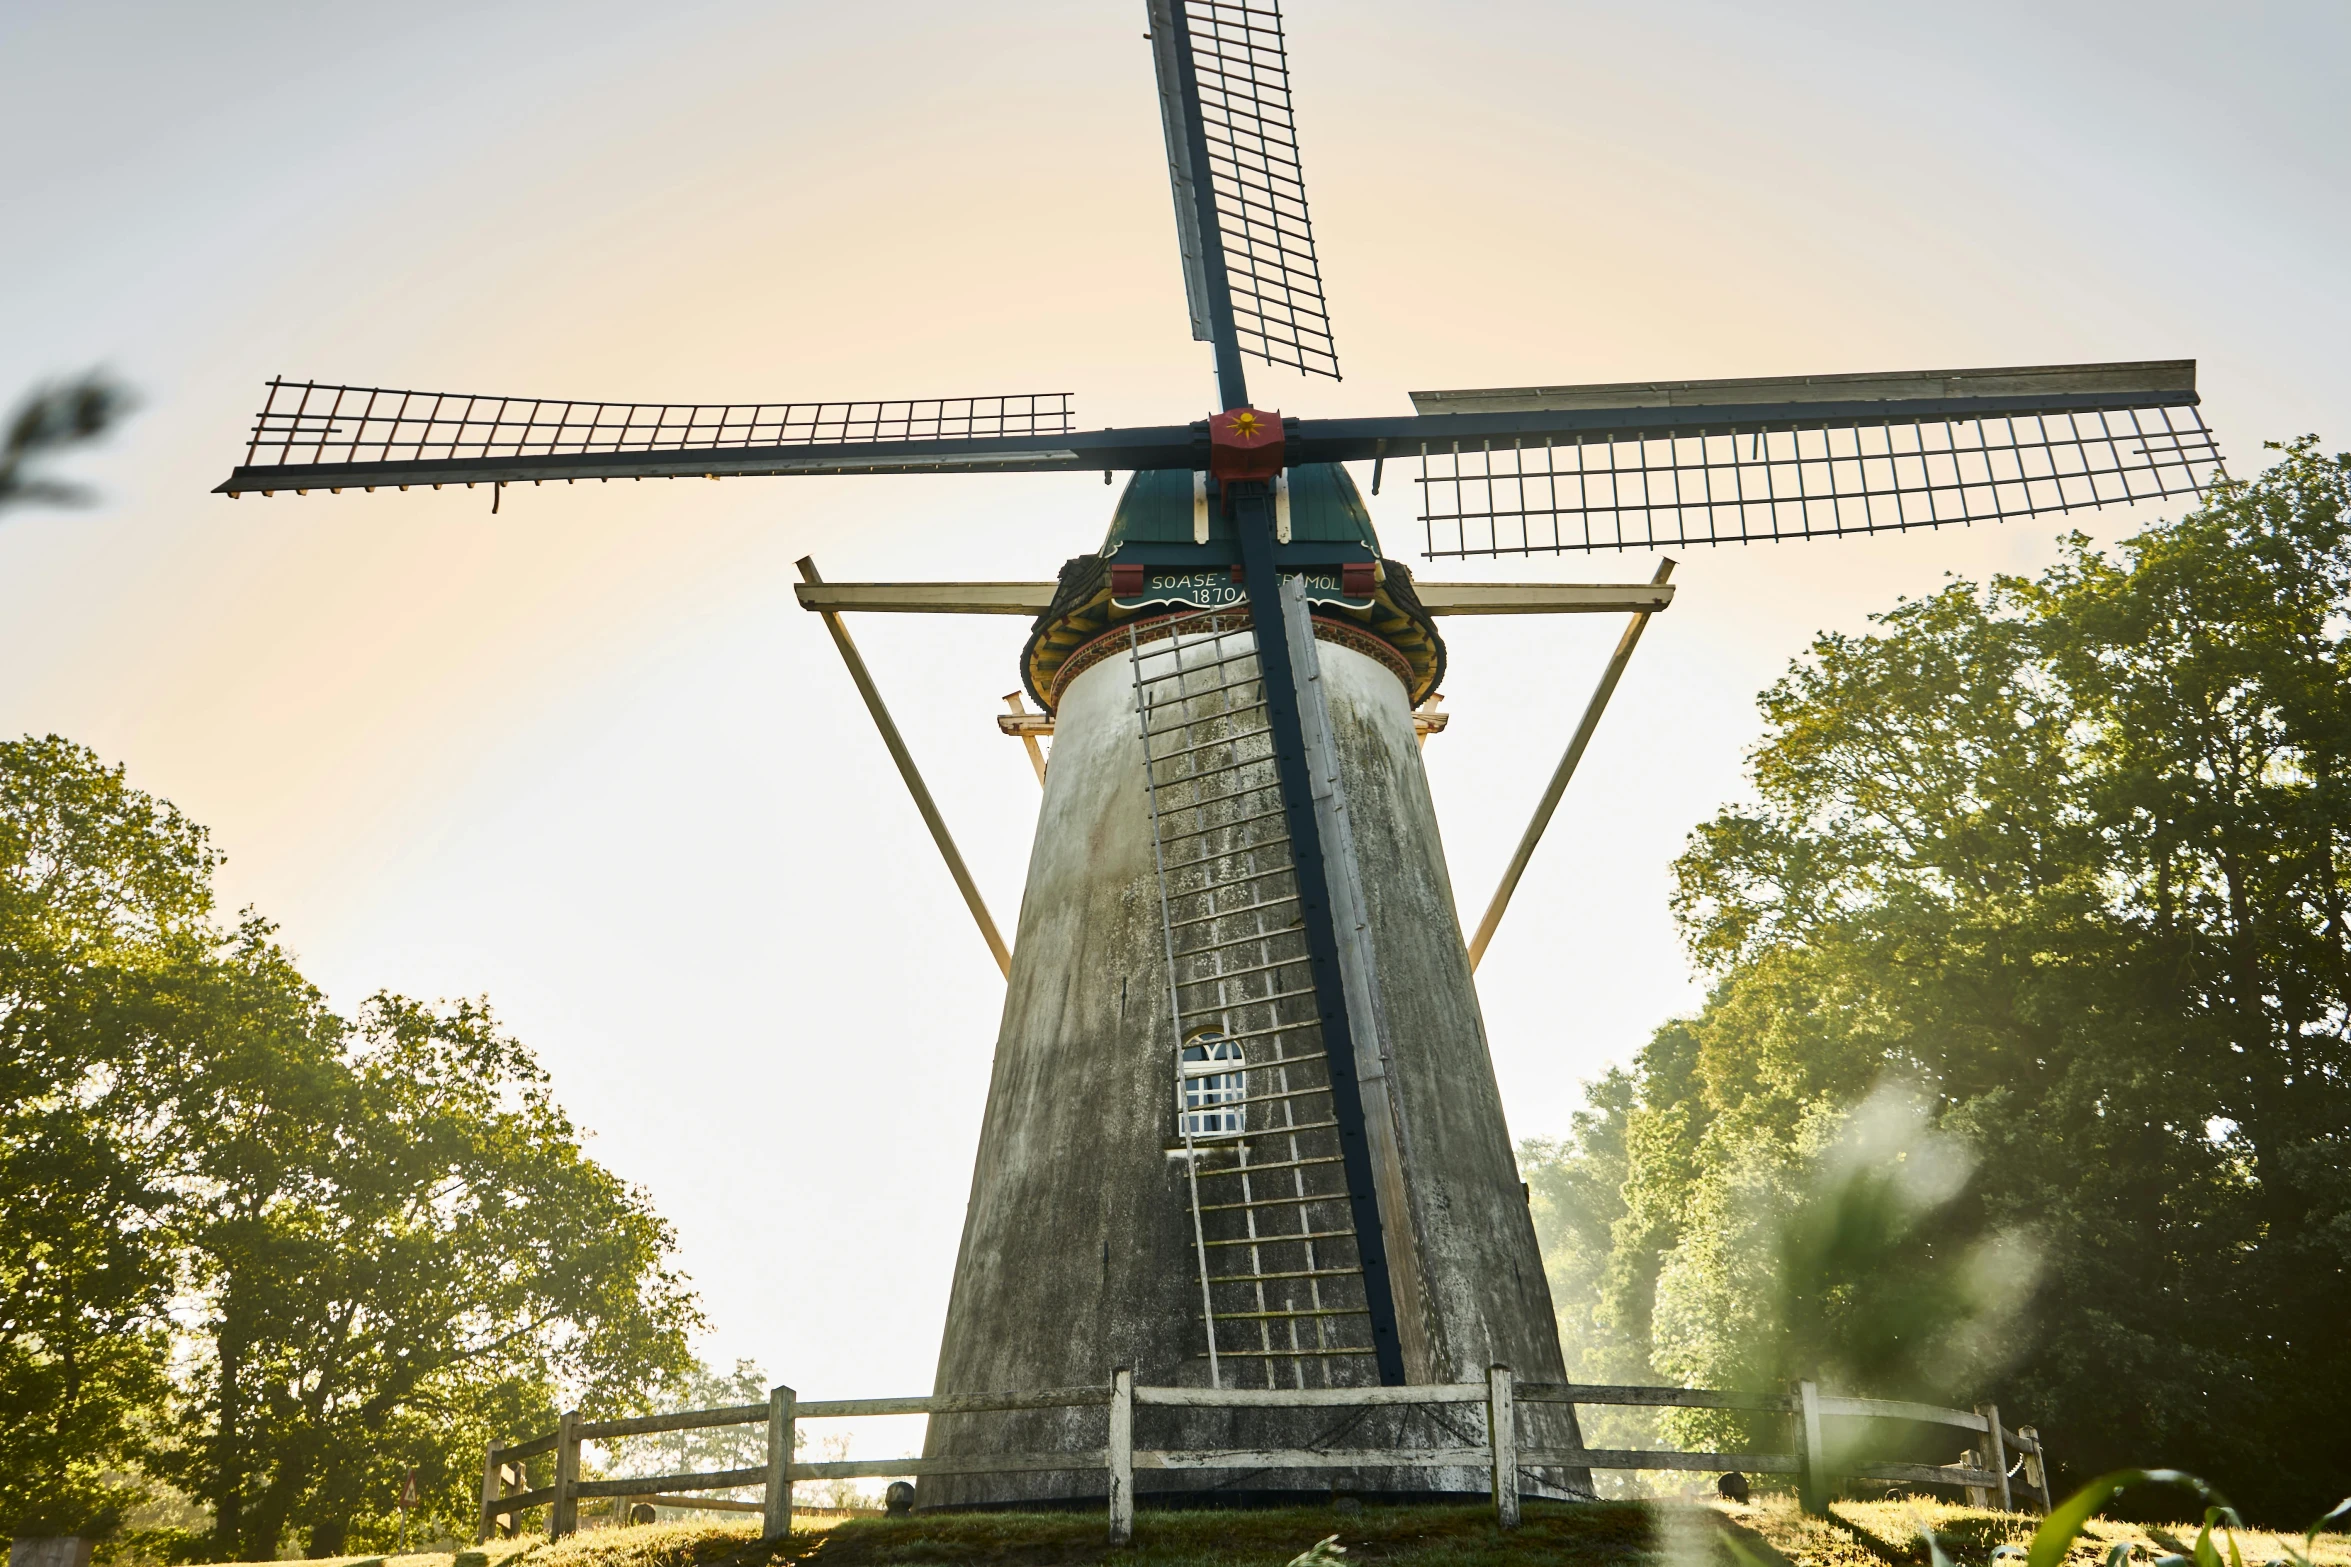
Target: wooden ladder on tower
column 1281, row 1280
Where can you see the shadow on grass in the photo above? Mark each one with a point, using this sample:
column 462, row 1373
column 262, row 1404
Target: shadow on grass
column 1874, row 1543
column 1606, row 1535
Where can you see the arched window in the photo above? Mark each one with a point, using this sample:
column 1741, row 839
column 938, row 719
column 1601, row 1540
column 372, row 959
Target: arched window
column 1213, row 1091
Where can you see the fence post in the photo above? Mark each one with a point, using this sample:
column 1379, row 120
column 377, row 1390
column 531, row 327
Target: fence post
column 1122, row 1456
column 1997, row 1447
column 563, row 1510
column 1502, row 1443
column 491, row 1491
column 782, row 1407
column 1978, row 1456
column 2036, row 1465
column 1813, row 1481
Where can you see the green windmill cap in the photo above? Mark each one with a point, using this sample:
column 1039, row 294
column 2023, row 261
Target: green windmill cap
column 1154, row 516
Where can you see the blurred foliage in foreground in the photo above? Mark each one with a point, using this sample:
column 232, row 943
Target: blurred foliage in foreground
column 46, row 423
column 2024, row 1075
column 261, row 1250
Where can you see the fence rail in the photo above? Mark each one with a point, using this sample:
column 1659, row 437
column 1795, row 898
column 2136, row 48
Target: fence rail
column 1983, row 1471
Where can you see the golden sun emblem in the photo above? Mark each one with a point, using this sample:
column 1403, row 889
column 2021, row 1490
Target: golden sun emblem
column 1247, row 425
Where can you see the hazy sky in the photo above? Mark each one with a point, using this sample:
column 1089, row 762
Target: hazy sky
column 589, row 758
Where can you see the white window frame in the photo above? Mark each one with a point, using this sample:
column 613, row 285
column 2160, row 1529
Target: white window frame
column 1208, row 1095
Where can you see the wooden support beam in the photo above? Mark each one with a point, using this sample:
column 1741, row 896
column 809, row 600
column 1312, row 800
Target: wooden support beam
column 1430, row 718
column 1560, row 775
column 1034, row 598
column 1543, row 598
column 928, row 598
column 1028, row 726
column 913, row 776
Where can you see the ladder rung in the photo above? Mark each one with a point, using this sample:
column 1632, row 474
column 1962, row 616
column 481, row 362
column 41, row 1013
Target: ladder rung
column 1210, row 745
column 1261, row 1169
column 1304, row 1273
column 1229, row 914
column 1230, row 767
column 1280, row 840
column 1266, row 1033
column 1236, row 911
column 1215, row 887
column 1294, row 1200
column 1333, row 1353
column 1233, row 658
column 1269, row 1133
column 1236, row 973
column 1284, row 1240
column 1211, row 1143
column 1252, row 939
column 1271, row 1316
column 1219, row 715
column 1241, row 793
column 1251, row 1001
column 1287, row 1093
column 1221, row 826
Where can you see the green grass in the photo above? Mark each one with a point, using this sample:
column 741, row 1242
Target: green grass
column 1635, row 1534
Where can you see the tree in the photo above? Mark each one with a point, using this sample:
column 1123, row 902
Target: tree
column 405, row 1253
column 711, row 1448
column 2068, row 856
column 372, row 1242
column 104, row 895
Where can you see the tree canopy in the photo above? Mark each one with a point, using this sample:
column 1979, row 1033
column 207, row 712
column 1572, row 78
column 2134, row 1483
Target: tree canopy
column 271, row 1253
column 2058, row 868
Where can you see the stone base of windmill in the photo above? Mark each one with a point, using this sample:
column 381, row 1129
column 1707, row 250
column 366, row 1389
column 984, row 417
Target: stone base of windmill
column 67, row 1550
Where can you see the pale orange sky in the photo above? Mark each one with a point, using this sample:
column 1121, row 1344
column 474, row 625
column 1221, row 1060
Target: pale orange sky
column 587, row 756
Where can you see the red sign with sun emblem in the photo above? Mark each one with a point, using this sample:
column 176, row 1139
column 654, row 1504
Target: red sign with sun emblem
column 1245, row 443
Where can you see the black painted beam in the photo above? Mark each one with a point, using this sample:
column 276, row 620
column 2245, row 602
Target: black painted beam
column 1253, row 520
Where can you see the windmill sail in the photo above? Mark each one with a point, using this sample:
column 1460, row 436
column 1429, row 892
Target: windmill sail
column 311, row 435
column 1247, row 240
column 1706, row 462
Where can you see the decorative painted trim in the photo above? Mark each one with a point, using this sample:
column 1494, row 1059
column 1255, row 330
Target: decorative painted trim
column 1114, row 641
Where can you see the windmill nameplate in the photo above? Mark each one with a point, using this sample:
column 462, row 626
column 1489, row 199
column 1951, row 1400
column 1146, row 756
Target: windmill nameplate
column 1219, row 589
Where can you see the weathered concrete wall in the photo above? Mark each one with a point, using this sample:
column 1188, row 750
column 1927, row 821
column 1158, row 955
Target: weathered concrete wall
column 1076, row 1254
column 1488, row 1301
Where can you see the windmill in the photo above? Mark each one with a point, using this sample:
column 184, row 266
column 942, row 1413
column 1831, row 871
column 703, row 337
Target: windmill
column 1243, row 1128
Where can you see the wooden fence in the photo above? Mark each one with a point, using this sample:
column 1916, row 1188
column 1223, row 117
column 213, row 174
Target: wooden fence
column 1983, row 1470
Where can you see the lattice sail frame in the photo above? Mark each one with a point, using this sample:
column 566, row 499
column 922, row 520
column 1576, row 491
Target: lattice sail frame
column 1631, row 491
column 1243, row 75
column 307, row 422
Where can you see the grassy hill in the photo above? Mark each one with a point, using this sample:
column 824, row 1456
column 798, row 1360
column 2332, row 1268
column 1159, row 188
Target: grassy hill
column 1636, row 1534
